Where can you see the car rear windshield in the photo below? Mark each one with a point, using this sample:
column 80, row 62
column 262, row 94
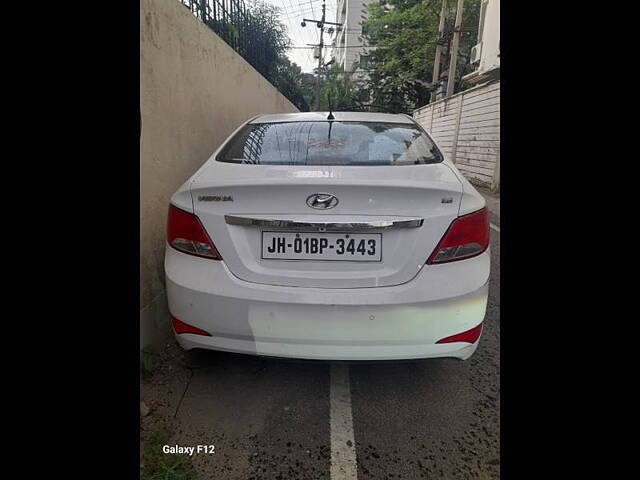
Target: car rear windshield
column 330, row 143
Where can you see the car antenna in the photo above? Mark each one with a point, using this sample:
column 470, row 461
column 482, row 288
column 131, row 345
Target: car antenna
column 330, row 117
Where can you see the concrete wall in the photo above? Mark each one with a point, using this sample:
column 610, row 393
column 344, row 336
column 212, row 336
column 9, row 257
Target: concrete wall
column 194, row 91
column 467, row 128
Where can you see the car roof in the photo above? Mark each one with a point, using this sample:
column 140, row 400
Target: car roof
column 338, row 116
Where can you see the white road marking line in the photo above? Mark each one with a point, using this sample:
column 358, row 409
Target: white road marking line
column 343, row 445
column 495, row 227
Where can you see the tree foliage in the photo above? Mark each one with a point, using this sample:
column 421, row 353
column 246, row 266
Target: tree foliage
column 405, row 33
column 285, row 75
column 288, row 80
column 344, row 93
column 308, row 87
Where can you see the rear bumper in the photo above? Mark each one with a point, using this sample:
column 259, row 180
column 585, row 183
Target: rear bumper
column 383, row 323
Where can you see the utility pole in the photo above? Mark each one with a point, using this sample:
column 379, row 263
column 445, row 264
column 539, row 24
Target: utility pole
column 320, row 23
column 320, row 58
column 436, row 63
column 451, row 78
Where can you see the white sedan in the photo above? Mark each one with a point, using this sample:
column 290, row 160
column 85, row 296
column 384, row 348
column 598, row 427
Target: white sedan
column 344, row 236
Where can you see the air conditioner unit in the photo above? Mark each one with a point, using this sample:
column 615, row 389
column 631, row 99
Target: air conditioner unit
column 316, row 52
column 475, row 53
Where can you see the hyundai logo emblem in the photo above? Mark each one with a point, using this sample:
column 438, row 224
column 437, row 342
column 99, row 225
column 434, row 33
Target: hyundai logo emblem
column 322, row 201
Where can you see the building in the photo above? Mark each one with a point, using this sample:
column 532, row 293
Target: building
column 486, row 53
column 350, row 50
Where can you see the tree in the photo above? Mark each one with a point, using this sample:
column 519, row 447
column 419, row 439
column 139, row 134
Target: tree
column 308, row 87
column 288, row 80
column 273, row 64
column 271, row 34
column 405, row 33
column 344, row 92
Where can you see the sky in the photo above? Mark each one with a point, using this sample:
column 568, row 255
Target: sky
column 292, row 13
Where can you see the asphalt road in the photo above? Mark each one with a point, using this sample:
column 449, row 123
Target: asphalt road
column 270, row 418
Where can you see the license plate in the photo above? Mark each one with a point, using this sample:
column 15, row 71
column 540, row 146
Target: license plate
column 353, row 247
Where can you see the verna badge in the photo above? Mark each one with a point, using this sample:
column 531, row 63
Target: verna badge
column 322, row 201
column 215, row 198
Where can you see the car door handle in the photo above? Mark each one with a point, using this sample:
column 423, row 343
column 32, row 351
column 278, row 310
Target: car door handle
column 324, row 226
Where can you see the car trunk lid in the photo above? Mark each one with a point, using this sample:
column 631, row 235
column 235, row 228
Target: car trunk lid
column 410, row 207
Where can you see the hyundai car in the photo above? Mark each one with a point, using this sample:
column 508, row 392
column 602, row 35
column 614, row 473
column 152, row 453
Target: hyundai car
column 328, row 235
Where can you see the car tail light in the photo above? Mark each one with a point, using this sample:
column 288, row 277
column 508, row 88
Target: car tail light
column 466, row 237
column 470, row 336
column 186, row 233
column 181, row 327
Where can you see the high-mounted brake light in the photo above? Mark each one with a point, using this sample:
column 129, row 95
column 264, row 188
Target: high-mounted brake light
column 466, row 237
column 470, row 336
column 186, row 233
column 181, row 327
